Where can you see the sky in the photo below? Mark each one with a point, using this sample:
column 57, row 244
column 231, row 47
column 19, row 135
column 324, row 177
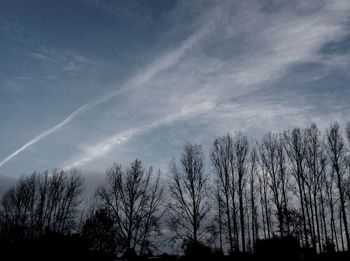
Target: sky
column 85, row 83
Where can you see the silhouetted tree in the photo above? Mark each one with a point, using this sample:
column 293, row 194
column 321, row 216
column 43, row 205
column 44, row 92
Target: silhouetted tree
column 132, row 198
column 291, row 187
column 189, row 191
column 99, row 231
column 295, row 149
column 241, row 148
column 193, row 249
column 221, row 156
column 41, row 202
column 347, row 186
column 253, row 205
column 315, row 166
column 263, row 182
column 273, row 162
column 336, row 153
column 64, row 190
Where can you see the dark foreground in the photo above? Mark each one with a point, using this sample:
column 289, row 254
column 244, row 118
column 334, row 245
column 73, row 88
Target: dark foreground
column 73, row 247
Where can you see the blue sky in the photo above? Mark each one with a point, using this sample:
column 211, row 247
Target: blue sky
column 85, row 83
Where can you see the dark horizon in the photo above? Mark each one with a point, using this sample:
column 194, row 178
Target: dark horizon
column 285, row 195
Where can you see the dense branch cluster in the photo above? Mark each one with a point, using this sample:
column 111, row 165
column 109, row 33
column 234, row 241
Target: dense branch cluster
column 294, row 183
column 41, row 202
column 290, row 184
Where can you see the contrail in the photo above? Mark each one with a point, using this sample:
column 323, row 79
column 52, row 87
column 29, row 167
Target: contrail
column 160, row 64
column 103, row 147
column 44, row 134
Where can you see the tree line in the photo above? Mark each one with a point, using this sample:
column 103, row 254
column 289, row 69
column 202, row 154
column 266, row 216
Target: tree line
column 292, row 184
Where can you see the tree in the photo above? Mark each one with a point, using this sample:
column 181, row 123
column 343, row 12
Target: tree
column 241, row 148
column 41, row 203
column 295, row 149
column 17, row 209
column 132, row 198
column 336, row 153
column 315, row 166
column 98, row 230
column 253, row 205
column 347, row 187
column 64, row 190
column 273, row 162
column 221, row 156
column 189, row 193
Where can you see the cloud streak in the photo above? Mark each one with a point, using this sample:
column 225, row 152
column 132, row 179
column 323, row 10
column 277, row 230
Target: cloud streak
column 238, row 69
column 162, row 63
column 44, row 134
column 285, row 40
column 103, row 147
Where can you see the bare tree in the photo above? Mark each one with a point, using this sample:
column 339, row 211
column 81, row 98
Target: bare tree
column 315, row 166
column 221, row 156
column 189, row 193
column 42, row 202
column 253, row 178
column 220, row 219
column 273, row 162
column 329, row 182
column 294, row 183
column 17, row 208
column 64, row 197
column 241, row 148
column 347, row 187
column 132, row 198
column 263, row 182
column 336, row 153
column 99, row 231
column 295, row 148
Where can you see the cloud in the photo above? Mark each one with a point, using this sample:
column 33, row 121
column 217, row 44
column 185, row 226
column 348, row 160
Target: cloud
column 160, row 64
column 66, row 60
column 275, row 41
column 43, row 135
column 235, row 49
column 103, row 147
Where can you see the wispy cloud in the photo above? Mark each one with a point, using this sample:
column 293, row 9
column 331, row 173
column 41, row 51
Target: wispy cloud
column 277, row 42
column 105, row 146
column 43, row 135
column 162, row 63
column 215, row 76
